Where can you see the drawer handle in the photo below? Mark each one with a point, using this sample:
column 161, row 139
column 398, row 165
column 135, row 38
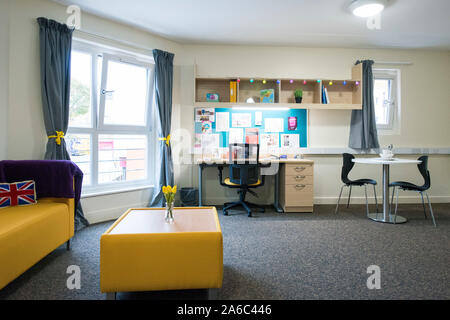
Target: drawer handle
column 300, row 177
column 299, row 168
column 300, row 186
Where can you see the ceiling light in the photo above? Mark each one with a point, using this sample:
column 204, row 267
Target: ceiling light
column 366, row 8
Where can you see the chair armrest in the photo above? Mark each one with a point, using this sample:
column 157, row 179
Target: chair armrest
column 263, row 179
column 220, row 176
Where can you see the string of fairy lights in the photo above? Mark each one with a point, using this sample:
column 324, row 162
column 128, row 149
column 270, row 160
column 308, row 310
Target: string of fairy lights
column 305, row 82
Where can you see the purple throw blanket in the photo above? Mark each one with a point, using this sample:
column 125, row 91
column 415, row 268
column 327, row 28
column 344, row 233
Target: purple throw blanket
column 54, row 178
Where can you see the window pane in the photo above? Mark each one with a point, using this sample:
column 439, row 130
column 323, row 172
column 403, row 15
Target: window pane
column 79, row 148
column 382, row 97
column 122, row 158
column 99, row 76
column 80, row 90
column 127, row 102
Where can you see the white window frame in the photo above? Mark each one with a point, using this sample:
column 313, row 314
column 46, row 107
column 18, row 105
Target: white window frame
column 394, row 109
column 97, row 112
column 106, row 58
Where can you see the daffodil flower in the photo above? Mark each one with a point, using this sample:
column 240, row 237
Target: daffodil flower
column 169, row 193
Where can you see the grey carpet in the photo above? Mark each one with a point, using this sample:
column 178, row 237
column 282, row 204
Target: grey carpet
column 284, row 256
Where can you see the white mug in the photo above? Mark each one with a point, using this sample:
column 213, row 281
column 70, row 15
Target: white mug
column 386, row 153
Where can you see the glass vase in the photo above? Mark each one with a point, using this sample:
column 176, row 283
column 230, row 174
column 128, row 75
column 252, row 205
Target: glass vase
column 169, row 212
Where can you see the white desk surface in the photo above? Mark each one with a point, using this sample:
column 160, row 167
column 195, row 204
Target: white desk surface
column 384, row 161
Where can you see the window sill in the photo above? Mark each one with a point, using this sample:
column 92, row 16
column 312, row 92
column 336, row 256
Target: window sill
column 388, row 132
column 99, row 192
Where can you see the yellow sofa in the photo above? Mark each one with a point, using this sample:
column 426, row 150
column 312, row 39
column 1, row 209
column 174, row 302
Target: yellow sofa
column 29, row 233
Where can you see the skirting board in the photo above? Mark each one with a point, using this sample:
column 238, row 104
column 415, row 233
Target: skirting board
column 362, row 200
column 332, row 200
column 110, row 213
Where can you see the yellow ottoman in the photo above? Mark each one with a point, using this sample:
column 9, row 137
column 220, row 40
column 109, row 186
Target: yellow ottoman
column 141, row 252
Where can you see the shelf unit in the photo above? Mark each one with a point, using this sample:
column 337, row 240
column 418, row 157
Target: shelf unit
column 344, row 94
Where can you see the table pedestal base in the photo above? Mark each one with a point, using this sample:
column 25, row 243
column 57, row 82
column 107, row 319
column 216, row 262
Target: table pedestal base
column 378, row 217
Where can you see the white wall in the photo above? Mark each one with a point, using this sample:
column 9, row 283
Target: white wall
column 424, row 118
column 425, row 107
column 4, row 62
column 25, row 93
column 25, row 107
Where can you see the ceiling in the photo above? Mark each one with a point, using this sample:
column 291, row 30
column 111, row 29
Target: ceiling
column 313, row 23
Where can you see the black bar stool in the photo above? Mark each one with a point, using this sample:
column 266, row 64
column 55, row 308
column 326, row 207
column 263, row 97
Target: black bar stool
column 408, row 186
column 347, row 166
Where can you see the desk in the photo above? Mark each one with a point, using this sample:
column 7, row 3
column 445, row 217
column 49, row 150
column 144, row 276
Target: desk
column 387, row 217
column 287, row 187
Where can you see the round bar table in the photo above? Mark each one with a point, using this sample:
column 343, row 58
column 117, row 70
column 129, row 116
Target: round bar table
column 386, row 216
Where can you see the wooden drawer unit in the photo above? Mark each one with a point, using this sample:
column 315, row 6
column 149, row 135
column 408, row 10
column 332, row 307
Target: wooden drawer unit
column 299, row 169
column 296, row 186
column 299, row 179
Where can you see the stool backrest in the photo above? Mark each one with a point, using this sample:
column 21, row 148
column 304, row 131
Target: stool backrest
column 423, row 169
column 347, row 166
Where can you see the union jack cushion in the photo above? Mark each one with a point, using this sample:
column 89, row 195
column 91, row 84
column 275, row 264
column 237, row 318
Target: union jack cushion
column 17, row 194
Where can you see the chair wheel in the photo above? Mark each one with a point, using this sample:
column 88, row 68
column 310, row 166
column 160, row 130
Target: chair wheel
column 225, row 212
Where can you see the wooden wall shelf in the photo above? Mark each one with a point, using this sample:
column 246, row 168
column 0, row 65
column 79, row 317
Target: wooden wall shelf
column 316, row 106
column 344, row 94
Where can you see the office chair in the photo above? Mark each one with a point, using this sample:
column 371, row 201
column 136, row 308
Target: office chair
column 243, row 175
column 347, row 166
column 407, row 186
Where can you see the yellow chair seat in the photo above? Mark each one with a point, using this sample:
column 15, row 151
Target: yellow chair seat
column 229, row 183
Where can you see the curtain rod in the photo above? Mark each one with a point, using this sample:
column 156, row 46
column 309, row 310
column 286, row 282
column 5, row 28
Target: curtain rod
column 404, row 63
column 401, row 63
column 122, row 42
column 136, row 46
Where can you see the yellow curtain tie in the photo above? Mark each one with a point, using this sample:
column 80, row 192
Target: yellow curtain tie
column 59, row 135
column 167, row 139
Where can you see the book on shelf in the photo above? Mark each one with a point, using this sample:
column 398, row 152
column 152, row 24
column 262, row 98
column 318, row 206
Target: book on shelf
column 327, row 98
column 233, row 91
column 324, row 98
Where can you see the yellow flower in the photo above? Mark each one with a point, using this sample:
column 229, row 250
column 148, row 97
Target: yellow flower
column 174, row 189
column 169, row 189
column 164, row 188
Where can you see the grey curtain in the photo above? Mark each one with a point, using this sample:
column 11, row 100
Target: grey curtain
column 56, row 47
column 363, row 127
column 55, row 54
column 163, row 82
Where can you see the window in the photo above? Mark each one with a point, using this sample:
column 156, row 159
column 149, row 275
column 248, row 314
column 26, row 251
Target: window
column 121, row 157
column 110, row 119
column 387, row 100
